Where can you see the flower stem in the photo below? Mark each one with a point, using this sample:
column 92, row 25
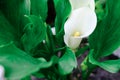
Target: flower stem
column 86, row 68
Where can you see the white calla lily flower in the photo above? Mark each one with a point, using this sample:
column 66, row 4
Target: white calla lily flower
column 80, row 24
column 82, row 3
column 2, row 72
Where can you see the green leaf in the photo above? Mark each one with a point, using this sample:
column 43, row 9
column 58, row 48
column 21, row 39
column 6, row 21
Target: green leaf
column 50, row 40
column 39, row 8
column 63, row 9
column 35, row 32
column 67, row 62
column 112, row 66
column 19, row 64
column 27, row 78
column 39, row 75
column 56, row 2
column 106, row 37
column 6, row 31
column 100, row 10
column 14, row 11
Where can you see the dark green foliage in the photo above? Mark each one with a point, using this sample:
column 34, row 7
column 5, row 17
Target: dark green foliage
column 34, row 33
column 19, row 64
column 23, row 30
column 7, row 30
column 39, row 8
column 106, row 37
column 14, row 11
column 63, row 9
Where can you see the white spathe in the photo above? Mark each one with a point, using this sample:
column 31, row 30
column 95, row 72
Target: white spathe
column 53, row 30
column 82, row 3
column 82, row 21
column 2, row 72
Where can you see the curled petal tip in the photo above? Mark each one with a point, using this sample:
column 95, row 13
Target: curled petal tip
column 82, row 3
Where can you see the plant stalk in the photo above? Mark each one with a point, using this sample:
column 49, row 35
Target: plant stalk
column 86, row 68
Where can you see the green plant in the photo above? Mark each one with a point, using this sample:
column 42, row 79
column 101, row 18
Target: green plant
column 28, row 46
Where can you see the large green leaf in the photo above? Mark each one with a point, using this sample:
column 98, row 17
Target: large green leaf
column 55, row 2
column 106, row 37
column 39, row 8
column 14, row 11
column 67, row 62
column 35, row 32
column 18, row 64
column 63, row 9
column 112, row 66
column 6, row 31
